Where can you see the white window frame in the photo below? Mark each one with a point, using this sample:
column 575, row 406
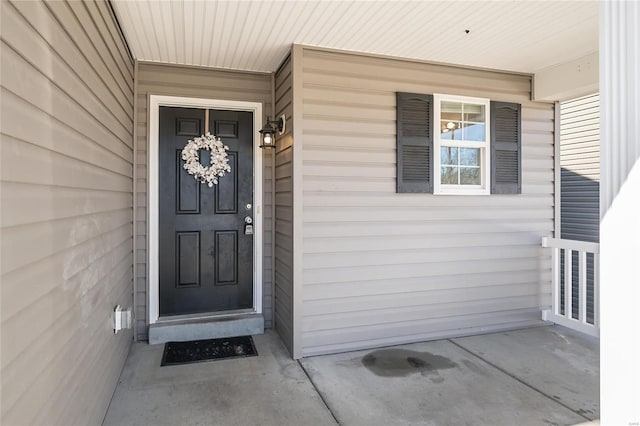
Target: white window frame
column 485, row 148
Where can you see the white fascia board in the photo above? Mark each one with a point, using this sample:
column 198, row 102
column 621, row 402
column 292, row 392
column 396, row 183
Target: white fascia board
column 568, row 80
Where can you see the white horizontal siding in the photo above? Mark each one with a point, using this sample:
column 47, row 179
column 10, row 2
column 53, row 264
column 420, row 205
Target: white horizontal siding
column 66, row 231
column 382, row 268
column 173, row 80
column 346, row 338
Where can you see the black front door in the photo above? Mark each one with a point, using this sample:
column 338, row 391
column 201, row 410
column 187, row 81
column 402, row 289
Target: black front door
column 206, row 251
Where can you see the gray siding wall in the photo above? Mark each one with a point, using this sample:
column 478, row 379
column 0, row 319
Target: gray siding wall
column 284, row 208
column 580, row 168
column 67, row 179
column 381, row 268
column 173, row 80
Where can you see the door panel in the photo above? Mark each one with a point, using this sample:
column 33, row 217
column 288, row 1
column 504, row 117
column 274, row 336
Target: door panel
column 187, row 189
column 206, row 259
column 226, row 260
column 188, row 259
column 227, row 191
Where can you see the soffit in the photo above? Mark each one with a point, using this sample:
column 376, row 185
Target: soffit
column 522, row 36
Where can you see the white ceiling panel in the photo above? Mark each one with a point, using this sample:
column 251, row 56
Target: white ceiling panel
column 524, row 36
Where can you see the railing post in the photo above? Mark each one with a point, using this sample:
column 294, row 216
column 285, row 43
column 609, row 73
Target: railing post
column 555, row 280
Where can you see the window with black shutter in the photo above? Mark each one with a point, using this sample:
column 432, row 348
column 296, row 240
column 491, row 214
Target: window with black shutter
column 457, row 145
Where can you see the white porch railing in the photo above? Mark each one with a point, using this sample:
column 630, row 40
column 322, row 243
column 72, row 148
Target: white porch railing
column 565, row 316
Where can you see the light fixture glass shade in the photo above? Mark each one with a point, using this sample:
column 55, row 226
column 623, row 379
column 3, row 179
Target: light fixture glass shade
column 267, row 139
column 268, row 135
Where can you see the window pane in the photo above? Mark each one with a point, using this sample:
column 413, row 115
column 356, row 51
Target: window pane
column 470, row 175
column 474, row 112
column 451, row 111
column 469, row 156
column 449, row 175
column 449, row 155
column 450, row 130
column 473, row 132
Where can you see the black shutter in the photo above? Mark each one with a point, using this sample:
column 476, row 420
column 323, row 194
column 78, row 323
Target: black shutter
column 506, row 148
column 414, row 142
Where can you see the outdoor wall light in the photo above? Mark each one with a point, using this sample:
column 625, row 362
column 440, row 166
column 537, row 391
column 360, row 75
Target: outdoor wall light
column 269, row 130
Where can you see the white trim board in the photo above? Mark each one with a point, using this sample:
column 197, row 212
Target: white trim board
column 154, row 104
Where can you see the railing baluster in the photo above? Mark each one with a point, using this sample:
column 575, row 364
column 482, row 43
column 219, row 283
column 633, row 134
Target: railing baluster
column 568, row 283
column 582, row 286
column 596, row 290
column 555, row 280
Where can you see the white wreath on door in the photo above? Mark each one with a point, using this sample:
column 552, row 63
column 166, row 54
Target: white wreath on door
column 219, row 159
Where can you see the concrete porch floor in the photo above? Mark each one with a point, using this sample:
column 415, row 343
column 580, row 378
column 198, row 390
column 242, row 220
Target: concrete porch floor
column 535, row 376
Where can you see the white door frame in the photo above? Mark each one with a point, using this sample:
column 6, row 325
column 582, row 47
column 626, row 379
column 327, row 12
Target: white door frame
column 154, row 104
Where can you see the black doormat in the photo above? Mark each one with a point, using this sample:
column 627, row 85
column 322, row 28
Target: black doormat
column 176, row 353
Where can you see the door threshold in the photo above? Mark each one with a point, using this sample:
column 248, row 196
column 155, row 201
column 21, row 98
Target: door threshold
column 206, row 327
column 204, row 315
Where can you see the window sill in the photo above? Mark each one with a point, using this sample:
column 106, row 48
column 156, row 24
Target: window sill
column 462, row 191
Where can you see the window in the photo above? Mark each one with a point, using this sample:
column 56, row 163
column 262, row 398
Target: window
column 457, row 145
column 461, row 145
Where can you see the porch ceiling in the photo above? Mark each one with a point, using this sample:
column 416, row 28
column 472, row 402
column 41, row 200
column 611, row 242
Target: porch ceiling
column 524, row 36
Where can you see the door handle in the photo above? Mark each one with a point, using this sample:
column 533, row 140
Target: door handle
column 248, row 227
